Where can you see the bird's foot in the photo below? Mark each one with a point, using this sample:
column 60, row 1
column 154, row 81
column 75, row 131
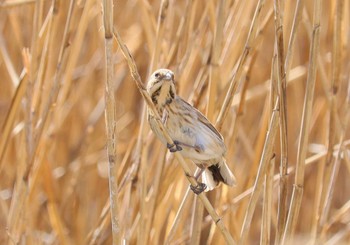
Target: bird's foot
column 174, row 147
column 199, row 188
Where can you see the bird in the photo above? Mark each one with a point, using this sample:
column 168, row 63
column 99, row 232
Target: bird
column 192, row 133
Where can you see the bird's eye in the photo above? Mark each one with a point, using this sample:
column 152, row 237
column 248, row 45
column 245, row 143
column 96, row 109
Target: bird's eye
column 157, row 75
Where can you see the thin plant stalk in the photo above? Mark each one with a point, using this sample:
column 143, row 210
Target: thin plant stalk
column 141, row 151
column 329, row 188
column 295, row 27
column 7, row 126
column 234, row 81
column 336, row 68
column 214, row 68
column 282, row 204
column 110, row 121
column 21, row 198
column 75, row 52
column 305, row 126
column 55, row 86
column 177, row 217
column 214, row 77
column 338, row 215
column 265, row 237
column 323, row 73
column 263, row 166
column 159, row 34
column 310, row 160
column 8, row 63
column 196, row 226
column 282, row 92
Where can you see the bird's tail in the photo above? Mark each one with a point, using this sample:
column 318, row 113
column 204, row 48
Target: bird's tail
column 217, row 173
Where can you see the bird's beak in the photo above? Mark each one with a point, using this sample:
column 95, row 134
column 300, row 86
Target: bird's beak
column 168, row 76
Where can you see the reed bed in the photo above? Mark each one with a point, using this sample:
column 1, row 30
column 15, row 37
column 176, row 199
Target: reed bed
column 79, row 165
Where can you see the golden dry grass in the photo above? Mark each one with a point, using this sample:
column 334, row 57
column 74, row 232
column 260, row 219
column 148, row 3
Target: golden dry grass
column 249, row 65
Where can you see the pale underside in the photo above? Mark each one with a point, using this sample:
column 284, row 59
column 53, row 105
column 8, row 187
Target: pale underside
column 199, row 140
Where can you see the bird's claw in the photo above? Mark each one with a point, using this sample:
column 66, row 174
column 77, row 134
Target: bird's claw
column 199, row 188
column 174, row 147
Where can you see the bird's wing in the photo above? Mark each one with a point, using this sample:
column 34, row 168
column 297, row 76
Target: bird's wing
column 204, row 120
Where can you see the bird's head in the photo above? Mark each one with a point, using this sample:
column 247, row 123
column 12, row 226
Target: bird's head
column 161, row 87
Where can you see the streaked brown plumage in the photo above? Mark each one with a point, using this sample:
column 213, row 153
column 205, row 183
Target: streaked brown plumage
column 194, row 136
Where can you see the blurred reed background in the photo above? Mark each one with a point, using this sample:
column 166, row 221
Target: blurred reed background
column 53, row 160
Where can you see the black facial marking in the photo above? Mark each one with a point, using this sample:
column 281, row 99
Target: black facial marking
column 172, row 94
column 155, row 95
column 168, row 101
column 154, row 100
column 171, row 98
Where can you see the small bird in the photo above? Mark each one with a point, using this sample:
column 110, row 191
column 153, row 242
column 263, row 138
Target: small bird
column 193, row 135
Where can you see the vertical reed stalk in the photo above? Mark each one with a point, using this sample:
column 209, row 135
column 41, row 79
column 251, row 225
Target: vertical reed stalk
column 335, row 81
column 266, row 157
column 305, row 127
column 237, row 76
column 110, row 119
column 282, row 92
